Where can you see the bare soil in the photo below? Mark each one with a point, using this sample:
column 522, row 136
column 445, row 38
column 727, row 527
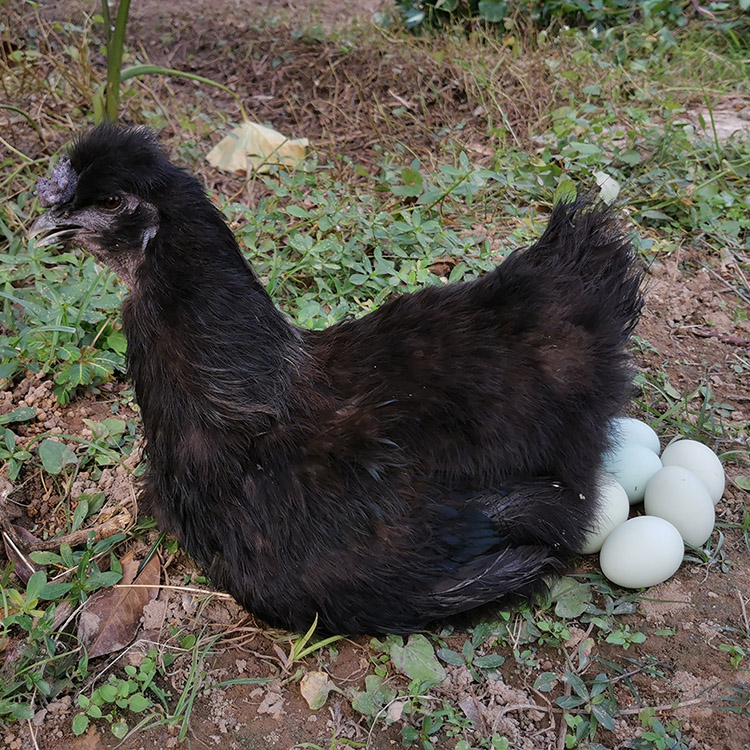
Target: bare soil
column 336, row 96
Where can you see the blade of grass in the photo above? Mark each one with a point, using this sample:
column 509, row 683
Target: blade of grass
column 115, row 47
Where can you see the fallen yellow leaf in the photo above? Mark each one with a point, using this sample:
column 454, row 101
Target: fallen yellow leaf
column 253, row 147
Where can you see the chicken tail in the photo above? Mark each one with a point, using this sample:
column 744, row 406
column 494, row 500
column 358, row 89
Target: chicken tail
column 572, row 301
column 591, row 271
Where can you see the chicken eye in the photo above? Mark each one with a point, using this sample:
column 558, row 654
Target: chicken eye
column 112, row 201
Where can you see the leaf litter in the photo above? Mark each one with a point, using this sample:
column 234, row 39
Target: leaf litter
column 109, row 620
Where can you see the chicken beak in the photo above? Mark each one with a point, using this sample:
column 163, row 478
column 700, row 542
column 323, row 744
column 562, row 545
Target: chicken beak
column 53, row 228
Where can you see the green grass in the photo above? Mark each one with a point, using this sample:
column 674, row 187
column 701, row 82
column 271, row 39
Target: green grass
column 333, row 240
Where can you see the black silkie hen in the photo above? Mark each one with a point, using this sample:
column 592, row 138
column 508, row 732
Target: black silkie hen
column 435, row 455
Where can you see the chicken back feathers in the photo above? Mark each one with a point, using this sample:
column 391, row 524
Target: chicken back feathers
column 436, row 455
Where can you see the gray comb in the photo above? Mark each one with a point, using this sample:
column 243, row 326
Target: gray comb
column 59, row 187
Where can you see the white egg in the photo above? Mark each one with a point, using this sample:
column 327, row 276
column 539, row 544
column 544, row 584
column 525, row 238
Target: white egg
column 613, row 508
column 678, row 496
column 632, row 465
column 641, row 552
column 626, row 430
column 701, row 460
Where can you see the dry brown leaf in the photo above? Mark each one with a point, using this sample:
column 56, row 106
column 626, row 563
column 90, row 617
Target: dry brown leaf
column 12, row 652
column 395, row 710
column 17, row 551
column 315, row 687
column 470, row 707
column 109, row 620
column 62, row 613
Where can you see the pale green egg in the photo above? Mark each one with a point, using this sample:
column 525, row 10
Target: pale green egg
column 701, row 460
column 613, row 508
column 678, row 496
column 627, row 430
column 641, row 552
column 632, row 465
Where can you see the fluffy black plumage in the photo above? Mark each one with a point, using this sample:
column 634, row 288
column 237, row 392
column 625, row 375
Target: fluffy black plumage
column 435, row 455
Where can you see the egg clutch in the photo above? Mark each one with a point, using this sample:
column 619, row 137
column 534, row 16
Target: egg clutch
column 679, row 491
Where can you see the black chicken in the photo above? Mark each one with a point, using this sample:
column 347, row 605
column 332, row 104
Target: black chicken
column 435, row 455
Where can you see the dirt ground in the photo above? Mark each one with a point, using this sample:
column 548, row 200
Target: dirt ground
column 315, row 90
